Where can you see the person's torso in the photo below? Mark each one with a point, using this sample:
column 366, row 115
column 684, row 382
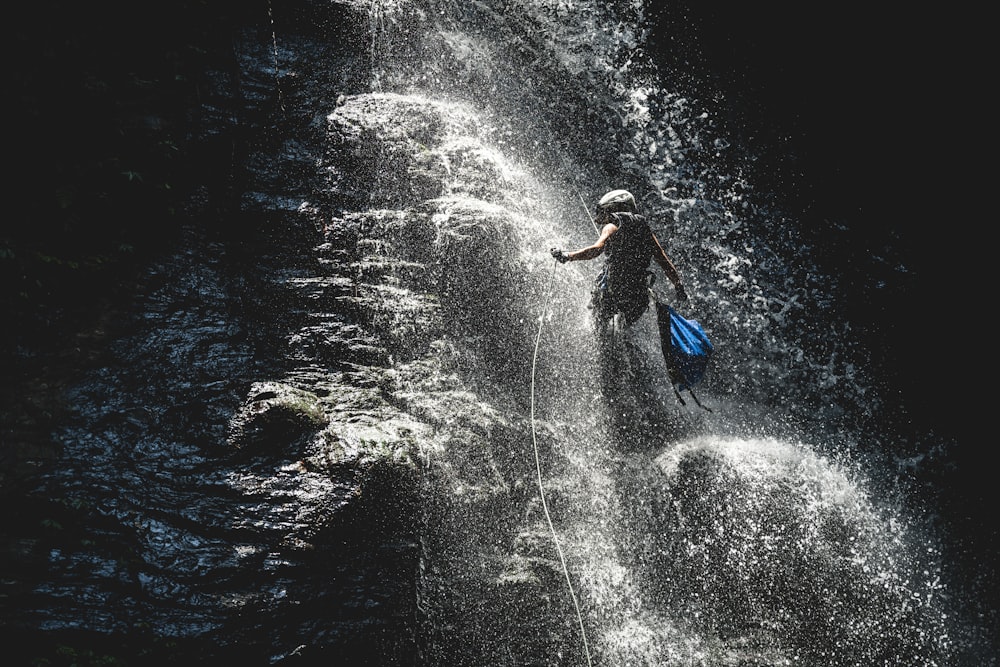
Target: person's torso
column 629, row 251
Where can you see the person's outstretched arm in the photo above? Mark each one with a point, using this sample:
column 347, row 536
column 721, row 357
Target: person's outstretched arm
column 591, row 251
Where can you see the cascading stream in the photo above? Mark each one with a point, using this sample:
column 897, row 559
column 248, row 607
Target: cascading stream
column 331, row 436
column 680, row 533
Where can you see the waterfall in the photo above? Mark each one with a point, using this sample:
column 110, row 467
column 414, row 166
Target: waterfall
column 739, row 536
column 378, row 423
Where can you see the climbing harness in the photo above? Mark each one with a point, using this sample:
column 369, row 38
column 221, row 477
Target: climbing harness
column 538, row 469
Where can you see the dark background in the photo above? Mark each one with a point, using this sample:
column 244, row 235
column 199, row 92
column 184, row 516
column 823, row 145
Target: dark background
column 854, row 117
column 867, row 119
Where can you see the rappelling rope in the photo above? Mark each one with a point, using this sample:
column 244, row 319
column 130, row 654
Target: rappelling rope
column 565, row 162
column 587, row 210
column 538, row 468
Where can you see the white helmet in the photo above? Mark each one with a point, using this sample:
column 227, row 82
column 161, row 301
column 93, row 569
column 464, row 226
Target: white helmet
column 617, row 201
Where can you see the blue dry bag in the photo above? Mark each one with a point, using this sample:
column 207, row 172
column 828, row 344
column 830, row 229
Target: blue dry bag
column 686, row 348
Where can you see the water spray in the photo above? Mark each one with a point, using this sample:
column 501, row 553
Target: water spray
column 534, row 443
column 538, row 467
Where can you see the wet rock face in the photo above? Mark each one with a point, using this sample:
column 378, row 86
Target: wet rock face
column 275, row 415
column 441, row 246
column 795, row 537
column 314, row 441
column 438, row 258
column 232, row 476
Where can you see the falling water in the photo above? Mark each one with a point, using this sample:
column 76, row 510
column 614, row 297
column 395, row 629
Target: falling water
column 462, row 478
column 744, row 536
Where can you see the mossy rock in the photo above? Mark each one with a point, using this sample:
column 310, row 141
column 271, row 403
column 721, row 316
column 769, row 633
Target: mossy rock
column 274, row 415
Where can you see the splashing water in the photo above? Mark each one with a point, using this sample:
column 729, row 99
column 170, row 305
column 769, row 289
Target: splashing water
column 755, row 534
column 693, row 539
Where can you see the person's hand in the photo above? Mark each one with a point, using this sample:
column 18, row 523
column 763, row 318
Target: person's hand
column 681, row 294
column 559, row 255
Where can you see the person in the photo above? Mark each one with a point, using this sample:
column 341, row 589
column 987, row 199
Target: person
column 629, row 245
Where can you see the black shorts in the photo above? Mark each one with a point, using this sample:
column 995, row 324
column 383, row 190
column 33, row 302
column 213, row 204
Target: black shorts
column 631, row 302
